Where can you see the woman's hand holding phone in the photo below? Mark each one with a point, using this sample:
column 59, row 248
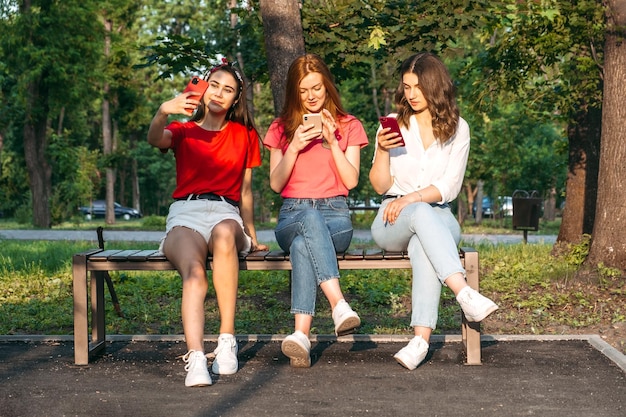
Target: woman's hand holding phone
column 303, row 136
column 195, row 89
column 390, row 136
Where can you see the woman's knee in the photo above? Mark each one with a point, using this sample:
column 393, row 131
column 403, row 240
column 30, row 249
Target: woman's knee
column 298, row 246
column 224, row 234
column 195, row 278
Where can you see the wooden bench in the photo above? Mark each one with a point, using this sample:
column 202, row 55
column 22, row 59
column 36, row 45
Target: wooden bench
column 97, row 263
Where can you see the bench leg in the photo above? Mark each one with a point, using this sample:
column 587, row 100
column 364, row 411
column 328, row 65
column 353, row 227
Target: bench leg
column 471, row 331
column 81, row 327
column 98, row 334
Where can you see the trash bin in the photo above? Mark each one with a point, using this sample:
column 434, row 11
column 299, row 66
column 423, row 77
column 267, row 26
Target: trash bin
column 526, row 210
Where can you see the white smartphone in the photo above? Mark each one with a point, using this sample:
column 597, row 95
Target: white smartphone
column 314, row 119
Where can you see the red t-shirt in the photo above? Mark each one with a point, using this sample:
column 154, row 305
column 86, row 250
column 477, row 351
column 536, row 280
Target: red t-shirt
column 315, row 174
column 212, row 161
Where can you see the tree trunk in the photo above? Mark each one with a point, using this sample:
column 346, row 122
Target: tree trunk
column 582, row 176
column 549, row 206
column 35, row 147
column 107, row 136
column 608, row 245
column 134, row 173
column 284, row 42
column 478, row 217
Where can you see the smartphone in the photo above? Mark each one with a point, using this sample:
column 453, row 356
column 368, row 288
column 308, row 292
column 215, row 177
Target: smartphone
column 391, row 122
column 314, row 119
column 198, row 86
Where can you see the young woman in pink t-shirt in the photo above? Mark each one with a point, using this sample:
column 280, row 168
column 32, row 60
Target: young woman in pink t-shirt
column 213, row 213
column 313, row 171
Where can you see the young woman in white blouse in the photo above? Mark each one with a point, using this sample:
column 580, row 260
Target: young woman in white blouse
column 418, row 181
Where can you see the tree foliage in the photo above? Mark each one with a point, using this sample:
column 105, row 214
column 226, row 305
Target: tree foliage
column 529, row 75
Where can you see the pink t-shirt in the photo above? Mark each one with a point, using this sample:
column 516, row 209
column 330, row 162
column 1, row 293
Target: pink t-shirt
column 212, row 162
column 314, row 174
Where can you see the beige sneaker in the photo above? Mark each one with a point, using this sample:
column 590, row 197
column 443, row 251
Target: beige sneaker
column 297, row 347
column 475, row 306
column 197, row 372
column 412, row 354
column 345, row 319
column 225, row 362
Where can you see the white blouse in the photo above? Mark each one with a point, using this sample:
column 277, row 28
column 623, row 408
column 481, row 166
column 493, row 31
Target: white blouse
column 441, row 165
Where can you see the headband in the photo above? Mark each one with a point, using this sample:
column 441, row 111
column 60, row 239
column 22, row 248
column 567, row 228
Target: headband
column 224, row 64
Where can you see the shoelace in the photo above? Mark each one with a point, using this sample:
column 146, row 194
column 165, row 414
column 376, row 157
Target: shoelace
column 226, row 344
column 187, row 357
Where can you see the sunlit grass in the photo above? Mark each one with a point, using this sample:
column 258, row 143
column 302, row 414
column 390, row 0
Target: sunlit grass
column 534, row 290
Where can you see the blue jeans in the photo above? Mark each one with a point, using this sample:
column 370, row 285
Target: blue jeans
column 430, row 234
column 312, row 231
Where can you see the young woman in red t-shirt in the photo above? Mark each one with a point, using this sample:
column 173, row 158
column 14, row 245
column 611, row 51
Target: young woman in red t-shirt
column 213, row 213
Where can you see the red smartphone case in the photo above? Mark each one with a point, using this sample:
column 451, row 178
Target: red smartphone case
column 197, row 85
column 391, row 122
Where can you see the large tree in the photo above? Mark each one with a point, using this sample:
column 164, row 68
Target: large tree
column 284, row 41
column 608, row 245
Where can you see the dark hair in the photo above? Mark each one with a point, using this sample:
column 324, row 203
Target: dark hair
column 239, row 111
column 435, row 83
column 291, row 115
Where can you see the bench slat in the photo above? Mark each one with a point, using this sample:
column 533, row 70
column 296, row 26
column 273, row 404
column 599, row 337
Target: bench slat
column 157, row 257
column 276, row 255
column 393, row 255
column 104, row 255
column 354, row 254
column 256, row 256
column 143, row 255
column 373, row 254
column 123, row 255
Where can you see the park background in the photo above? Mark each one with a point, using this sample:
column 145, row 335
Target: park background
column 541, row 84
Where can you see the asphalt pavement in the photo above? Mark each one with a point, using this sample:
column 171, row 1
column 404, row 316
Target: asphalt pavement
column 518, row 377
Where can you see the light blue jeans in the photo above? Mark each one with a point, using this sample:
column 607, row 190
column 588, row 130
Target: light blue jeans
column 312, row 231
column 430, row 234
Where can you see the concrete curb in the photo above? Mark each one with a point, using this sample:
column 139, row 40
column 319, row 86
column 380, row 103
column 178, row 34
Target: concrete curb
column 594, row 340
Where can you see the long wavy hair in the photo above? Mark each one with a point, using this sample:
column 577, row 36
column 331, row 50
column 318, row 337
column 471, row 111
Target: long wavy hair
column 293, row 109
column 435, row 83
column 239, row 111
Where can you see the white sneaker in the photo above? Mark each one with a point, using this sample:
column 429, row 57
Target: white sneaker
column 346, row 320
column 225, row 362
column 297, row 347
column 197, row 372
column 475, row 306
column 412, row 354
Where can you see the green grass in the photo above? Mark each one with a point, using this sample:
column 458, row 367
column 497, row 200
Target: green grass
column 530, row 285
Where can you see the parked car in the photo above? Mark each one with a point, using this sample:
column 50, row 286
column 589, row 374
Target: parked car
column 504, row 207
column 98, row 208
column 487, row 209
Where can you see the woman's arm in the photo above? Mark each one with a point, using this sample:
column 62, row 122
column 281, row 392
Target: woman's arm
column 246, row 208
column 347, row 163
column 158, row 136
column 380, row 172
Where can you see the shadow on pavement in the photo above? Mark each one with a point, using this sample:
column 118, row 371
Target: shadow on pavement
column 517, row 378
